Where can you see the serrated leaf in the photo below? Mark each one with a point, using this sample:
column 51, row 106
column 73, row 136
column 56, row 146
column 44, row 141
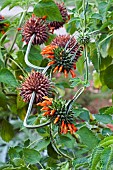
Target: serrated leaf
column 108, row 77
column 106, row 158
column 95, row 157
column 48, row 8
column 88, row 137
column 103, row 118
column 109, row 110
column 107, row 141
column 81, row 162
column 7, row 77
column 7, row 132
column 31, row 156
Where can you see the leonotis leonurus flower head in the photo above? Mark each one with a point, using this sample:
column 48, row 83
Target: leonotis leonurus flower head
column 64, row 14
column 63, row 54
column 35, row 82
column 37, row 26
column 56, row 110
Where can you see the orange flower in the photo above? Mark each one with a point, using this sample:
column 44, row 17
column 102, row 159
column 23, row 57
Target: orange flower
column 60, row 69
column 51, row 63
column 56, row 119
column 73, row 73
column 55, row 69
column 65, row 73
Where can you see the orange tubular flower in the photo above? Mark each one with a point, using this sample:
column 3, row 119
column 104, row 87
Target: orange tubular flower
column 73, row 73
column 60, row 69
column 65, row 74
column 51, row 63
column 56, row 120
column 55, row 69
column 56, row 111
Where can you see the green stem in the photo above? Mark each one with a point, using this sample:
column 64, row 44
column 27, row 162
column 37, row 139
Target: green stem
column 16, row 34
column 70, row 103
column 28, row 113
column 55, row 146
column 17, row 65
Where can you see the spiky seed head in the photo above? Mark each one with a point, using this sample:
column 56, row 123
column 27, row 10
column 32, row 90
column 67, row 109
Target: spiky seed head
column 57, row 112
column 37, row 26
column 64, row 14
column 36, row 82
column 63, row 53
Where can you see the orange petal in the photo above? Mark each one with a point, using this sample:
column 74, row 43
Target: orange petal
column 55, row 69
column 51, row 63
column 70, row 128
column 44, row 17
column 50, row 56
column 60, row 69
column 74, row 66
column 52, row 112
column 45, row 108
column 65, row 129
column 46, row 113
column 47, row 98
column 72, row 74
column 65, row 73
column 56, row 120
column 74, row 127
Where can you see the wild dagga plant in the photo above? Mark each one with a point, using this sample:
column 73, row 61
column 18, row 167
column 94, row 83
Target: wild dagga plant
column 64, row 135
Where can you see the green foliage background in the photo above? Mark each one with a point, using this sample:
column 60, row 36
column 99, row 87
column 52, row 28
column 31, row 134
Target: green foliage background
column 91, row 147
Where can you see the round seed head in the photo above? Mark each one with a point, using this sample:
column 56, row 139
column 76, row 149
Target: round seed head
column 36, row 82
column 64, row 14
column 37, row 26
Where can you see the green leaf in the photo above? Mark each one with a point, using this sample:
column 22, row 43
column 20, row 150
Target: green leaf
column 42, row 144
column 105, row 62
column 51, row 151
column 110, row 49
column 96, row 16
column 108, row 77
column 106, row 158
column 103, row 118
column 96, row 79
column 106, row 131
column 67, row 141
column 106, row 141
column 88, row 137
column 7, row 132
column 81, row 162
column 7, row 77
column 34, row 55
column 109, row 110
column 94, row 56
column 3, row 100
column 80, row 65
column 48, row 8
column 84, row 115
column 95, row 157
column 31, row 156
column 75, row 82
